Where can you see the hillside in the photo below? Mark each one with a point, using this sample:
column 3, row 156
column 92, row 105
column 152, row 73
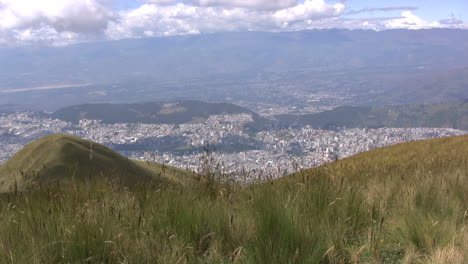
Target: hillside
column 61, row 158
column 434, row 115
column 154, row 113
column 401, row 204
column 434, row 156
column 454, row 115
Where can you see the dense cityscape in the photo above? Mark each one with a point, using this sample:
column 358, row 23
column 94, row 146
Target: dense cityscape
column 233, row 149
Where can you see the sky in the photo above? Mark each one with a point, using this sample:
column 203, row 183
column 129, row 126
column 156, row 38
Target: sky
column 63, row 22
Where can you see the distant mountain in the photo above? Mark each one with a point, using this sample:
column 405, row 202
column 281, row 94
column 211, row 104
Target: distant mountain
column 453, row 115
column 443, row 115
column 59, row 158
column 187, row 57
column 376, row 68
column 153, row 113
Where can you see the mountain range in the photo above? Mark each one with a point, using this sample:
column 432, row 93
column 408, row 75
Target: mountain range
column 453, row 115
column 367, row 67
column 404, row 116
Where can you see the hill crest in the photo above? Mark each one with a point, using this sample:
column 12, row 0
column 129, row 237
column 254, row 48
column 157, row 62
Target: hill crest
column 63, row 157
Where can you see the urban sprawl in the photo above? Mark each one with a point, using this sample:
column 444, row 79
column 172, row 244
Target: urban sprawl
column 233, row 149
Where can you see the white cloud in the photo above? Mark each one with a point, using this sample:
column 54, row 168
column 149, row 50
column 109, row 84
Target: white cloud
column 45, row 35
column 385, row 9
column 25, row 20
column 188, row 19
column 154, row 20
column 77, row 16
column 60, row 22
column 451, row 21
column 162, row 2
column 309, row 10
column 410, row 21
column 256, row 4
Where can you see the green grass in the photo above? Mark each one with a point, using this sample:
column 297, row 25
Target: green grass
column 59, row 158
column 402, row 204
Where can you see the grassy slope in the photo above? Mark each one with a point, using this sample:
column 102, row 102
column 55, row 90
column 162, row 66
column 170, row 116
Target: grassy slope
column 61, row 157
column 402, row 204
column 434, row 156
column 180, row 176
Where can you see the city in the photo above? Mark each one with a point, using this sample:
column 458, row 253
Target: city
column 233, row 149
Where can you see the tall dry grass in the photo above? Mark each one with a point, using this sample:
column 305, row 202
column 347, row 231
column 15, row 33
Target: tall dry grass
column 373, row 208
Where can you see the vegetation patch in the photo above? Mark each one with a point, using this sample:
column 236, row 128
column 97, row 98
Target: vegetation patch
column 402, row 204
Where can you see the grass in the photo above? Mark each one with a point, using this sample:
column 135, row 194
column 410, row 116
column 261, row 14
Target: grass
column 62, row 157
column 402, row 204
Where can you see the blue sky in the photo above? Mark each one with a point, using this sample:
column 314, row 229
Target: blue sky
column 53, row 22
column 126, row 4
column 427, row 9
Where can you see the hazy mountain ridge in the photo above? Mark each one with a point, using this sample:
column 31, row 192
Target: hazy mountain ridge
column 181, row 57
column 154, row 113
column 367, row 67
column 443, row 115
column 406, row 116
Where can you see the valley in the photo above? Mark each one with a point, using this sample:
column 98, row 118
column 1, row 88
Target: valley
column 241, row 141
column 229, row 131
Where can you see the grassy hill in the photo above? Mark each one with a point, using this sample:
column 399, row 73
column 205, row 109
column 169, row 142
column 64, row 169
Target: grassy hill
column 435, row 115
column 153, row 113
column 406, row 203
column 63, row 158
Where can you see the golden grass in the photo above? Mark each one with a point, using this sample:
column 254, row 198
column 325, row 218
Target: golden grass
column 403, row 204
